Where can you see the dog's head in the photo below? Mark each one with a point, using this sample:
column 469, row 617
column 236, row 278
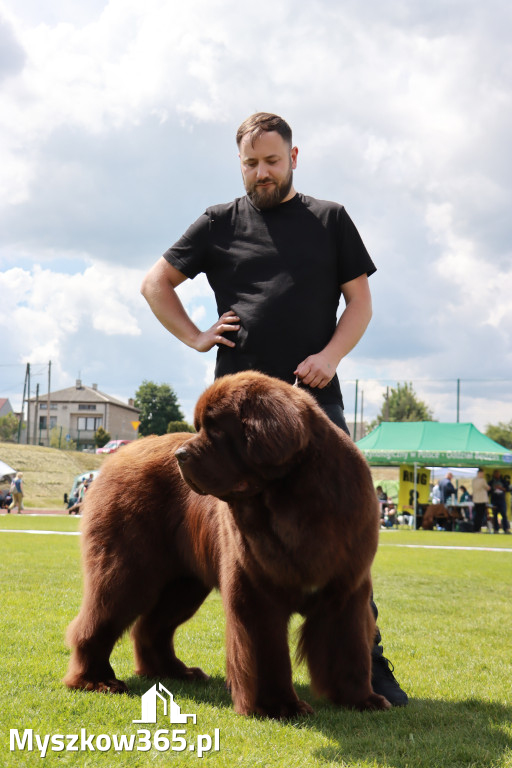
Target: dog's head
column 252, row 429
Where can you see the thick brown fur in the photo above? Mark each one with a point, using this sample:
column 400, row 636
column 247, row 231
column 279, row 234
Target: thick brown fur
column 278, row 511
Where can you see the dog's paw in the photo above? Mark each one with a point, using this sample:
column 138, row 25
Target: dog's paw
column 285, row 710
column 374, row 702
column 102, row 686
column 174, row 671
column 194, row 673
column 112, row 686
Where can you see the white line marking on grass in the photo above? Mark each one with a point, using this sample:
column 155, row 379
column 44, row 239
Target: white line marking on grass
column 406, row 546
column 447, row 546
column 48, row 514
column 45, row 533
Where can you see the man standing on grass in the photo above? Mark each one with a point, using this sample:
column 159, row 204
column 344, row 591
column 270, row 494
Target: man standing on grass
column 278, row 262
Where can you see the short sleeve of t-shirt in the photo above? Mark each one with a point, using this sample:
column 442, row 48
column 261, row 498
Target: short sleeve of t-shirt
column 353, row 258
column 190, row 253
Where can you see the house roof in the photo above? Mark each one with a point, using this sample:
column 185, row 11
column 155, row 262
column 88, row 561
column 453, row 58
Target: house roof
column 84, row 394
column 5, row 406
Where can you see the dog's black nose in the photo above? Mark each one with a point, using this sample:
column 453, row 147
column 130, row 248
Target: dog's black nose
column 182, row 455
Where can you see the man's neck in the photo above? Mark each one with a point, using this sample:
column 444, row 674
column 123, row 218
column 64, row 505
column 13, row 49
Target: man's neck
column 289, row 196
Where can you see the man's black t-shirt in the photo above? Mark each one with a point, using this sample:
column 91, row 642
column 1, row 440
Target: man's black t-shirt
column 280, row 270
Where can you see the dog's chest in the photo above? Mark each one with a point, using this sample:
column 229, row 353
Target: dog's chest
column 280, row 547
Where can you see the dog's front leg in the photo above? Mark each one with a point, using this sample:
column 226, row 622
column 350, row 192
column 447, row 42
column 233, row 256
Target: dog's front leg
column 259, row 671
column 336, row 640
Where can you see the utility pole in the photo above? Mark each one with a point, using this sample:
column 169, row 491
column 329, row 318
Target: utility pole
column 23, row 402
column 48, row 402
column 355, row 412
column 36, row 409
column 28, row 403
column 458, row 400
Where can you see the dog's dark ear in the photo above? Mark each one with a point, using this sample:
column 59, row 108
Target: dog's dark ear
column 274, row 427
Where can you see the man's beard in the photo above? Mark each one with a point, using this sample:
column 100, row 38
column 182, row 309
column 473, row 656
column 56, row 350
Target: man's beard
column 269, row 197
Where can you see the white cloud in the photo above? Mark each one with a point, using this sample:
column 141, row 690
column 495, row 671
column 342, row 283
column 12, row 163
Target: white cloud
column 52, row 306
column 478, row 291
column 209, row 373
column 197, row 314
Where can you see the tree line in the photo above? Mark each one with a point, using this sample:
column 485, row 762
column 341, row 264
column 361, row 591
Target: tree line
column 402, row 404
column 160, row 412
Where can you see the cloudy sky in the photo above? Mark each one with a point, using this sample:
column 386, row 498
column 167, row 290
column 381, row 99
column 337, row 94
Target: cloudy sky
column 117, row 126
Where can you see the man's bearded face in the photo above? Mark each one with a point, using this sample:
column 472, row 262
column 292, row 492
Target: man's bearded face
column 269, row 191
column 267, row 165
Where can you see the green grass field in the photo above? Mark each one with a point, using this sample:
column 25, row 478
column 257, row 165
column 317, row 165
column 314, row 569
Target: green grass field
column 445, row 615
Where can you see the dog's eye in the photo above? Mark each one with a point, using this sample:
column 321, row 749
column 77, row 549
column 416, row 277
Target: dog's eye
column 214, row 433
column 211, row 427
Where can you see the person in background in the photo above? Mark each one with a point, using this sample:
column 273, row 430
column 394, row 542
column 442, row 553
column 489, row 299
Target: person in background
column 5, row 499
column 447, row 488
column 466, row 503
column 383, row 503
column 480, row 500
column 17, row 493
column 381, row 494
column 465, row 496
column 499, row 488
column 76, row 507
column 436, row 494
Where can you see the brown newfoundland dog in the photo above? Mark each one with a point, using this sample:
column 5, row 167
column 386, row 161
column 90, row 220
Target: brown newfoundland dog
column 271, row 504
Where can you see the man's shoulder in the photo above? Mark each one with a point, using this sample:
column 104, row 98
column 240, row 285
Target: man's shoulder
column 227, row 209
column 315, row 204
column 242, row 206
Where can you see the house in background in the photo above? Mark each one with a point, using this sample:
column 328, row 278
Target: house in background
column 5, row 406
column 78, row 412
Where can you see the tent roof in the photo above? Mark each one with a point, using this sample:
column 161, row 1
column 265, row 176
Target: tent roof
column 6, row 470
column 432, row 443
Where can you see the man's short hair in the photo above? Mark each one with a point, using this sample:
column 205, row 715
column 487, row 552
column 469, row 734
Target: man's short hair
column 262, row 122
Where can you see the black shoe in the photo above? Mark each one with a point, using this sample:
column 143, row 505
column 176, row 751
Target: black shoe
column 385, row 683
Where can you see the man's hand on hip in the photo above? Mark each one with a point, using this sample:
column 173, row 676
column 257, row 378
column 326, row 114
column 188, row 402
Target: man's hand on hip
column 214, row 335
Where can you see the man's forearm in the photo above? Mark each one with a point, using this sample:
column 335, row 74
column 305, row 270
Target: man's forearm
column 158, row 288
column 168, row 309
column 350, row 329
column 317, row 370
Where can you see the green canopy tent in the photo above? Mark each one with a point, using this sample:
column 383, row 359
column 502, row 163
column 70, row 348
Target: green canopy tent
column 432, row 444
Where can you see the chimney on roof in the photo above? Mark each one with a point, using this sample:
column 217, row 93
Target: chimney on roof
column 79, row 383
column 95, row 387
